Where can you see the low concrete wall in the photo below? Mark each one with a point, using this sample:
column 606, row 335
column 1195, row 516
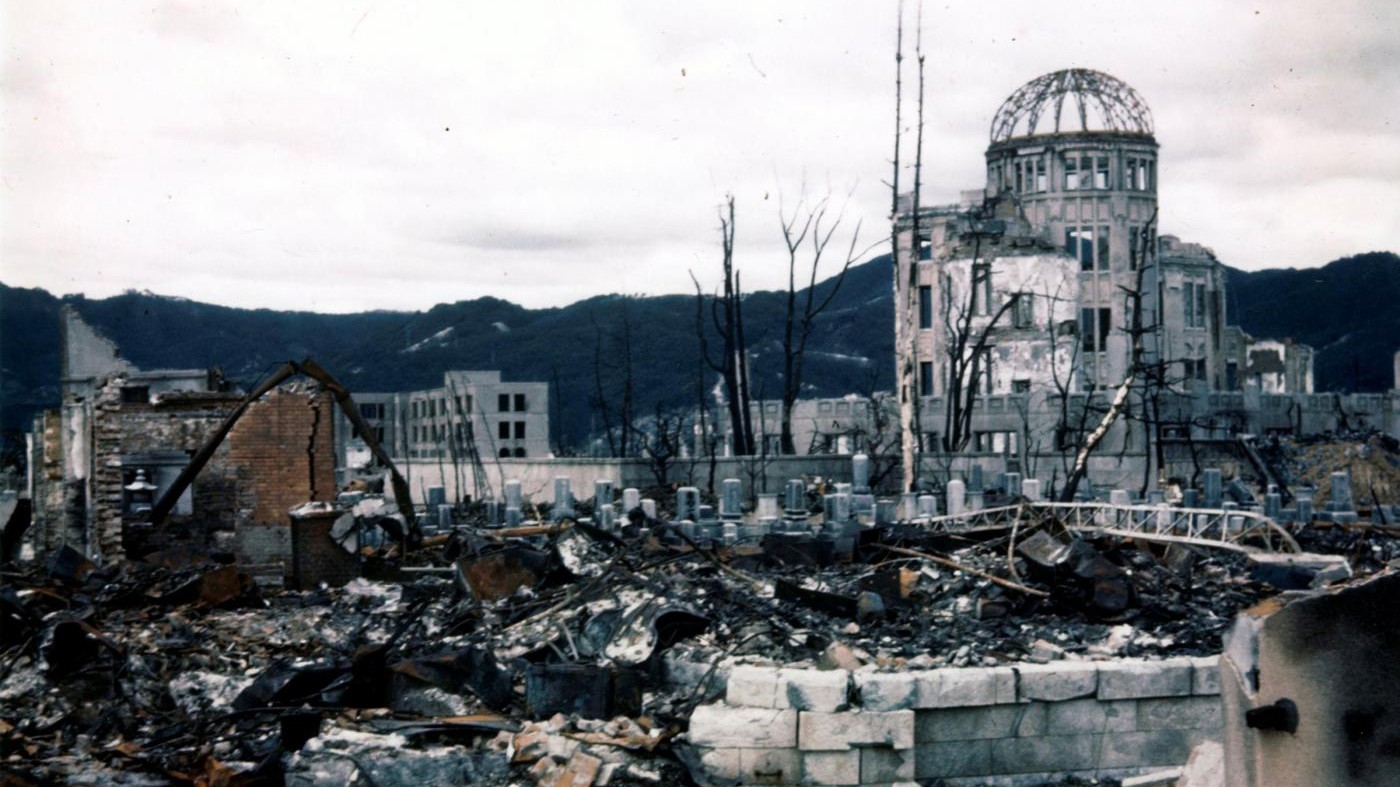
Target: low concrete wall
column 993, row 725
column 536, row 476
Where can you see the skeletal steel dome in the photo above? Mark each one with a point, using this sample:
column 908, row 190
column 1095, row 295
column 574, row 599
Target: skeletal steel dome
column 1071, row 101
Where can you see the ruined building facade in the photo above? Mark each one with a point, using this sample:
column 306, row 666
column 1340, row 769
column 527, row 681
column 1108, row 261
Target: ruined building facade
column 1016, row 309
column 121, row 437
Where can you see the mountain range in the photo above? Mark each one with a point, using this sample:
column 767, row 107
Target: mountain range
column 1346, row 310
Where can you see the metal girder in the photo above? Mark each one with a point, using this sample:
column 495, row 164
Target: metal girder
column 1238, row 530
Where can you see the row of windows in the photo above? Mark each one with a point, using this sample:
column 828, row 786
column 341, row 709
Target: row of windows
column 505, row 430
column 505, row 400
column 1028, row 175
column 1022, row 311
column 433, row 408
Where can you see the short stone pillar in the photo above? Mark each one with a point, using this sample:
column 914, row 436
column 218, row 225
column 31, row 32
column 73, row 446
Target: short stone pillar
column 687, row 504
column 927, row 507
column 1013, row 484
column 1212, row 487
column 860, row 473
column 607, row 517
column 1273, row 505
column 957, row 497
column 886, row 512
column 837, row 507
column 1341, row 492
column 1303, row 512
column 731, row 499
column 795, row 499
column 909, row 505
column 767, row 507
column 1030, row 489
column 602, row 492
column 444, row 517
column 563, row 499
column 631, row 500
column 649, row 509
column 513, row 497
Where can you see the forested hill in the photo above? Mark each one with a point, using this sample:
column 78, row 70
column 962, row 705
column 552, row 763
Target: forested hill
column 1346, row 310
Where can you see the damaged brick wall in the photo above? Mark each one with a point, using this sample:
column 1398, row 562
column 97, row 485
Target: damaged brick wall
column 174, row 424
column 284, row 449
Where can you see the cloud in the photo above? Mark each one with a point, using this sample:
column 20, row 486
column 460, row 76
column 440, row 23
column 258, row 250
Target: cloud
column 347, row 156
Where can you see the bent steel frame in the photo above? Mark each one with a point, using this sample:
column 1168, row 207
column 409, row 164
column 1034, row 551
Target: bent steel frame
column 1242, row 531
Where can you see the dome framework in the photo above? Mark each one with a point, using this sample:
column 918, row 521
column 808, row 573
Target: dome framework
column 1095, row 102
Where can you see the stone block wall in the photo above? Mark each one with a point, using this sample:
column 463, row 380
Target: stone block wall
column 994, row 725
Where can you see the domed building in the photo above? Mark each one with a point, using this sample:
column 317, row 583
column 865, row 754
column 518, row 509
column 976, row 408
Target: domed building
column 1023, row 294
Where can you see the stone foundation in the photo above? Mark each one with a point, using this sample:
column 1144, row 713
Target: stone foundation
column 991, row 725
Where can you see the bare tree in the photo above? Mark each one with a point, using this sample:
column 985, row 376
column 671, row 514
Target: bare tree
column 968, row 326
column 800, row 319
column 614, row 390
column 660, row 440
column 727, row 316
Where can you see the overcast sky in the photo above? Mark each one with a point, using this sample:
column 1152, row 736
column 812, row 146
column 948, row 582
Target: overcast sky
column 345, row 156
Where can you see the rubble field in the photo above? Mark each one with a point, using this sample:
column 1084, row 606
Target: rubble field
column 549, row 653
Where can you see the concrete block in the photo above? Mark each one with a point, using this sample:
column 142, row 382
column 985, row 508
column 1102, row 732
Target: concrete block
column 722, row 765
column 719, row 726
column 769, row 766
column 752, row 686
column 831, row 767
column 1057, row 681
column 819, row 731
column 813, row 689
column 950, row 760
column 1148, row 749
column 1044, row 753
column 1084, row 716
column 959, row 688
column 1120, row 680
column 880, row 765
column 1180, row 713
column 1205, row 675
column 886, row 691
column 962, row 724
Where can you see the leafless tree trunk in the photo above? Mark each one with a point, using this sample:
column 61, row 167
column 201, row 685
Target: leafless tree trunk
column 799, row 322
column 726, row 313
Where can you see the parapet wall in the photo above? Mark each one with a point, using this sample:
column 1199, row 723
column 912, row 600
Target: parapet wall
column 989, row 725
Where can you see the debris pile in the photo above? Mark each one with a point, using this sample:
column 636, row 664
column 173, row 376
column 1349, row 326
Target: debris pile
column 549, row 653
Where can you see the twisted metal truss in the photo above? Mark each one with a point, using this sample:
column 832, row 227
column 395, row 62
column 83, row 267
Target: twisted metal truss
column 1095, row 102
column 1241, row 531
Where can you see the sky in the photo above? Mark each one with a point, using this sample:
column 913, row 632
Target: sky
column 339, row 157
